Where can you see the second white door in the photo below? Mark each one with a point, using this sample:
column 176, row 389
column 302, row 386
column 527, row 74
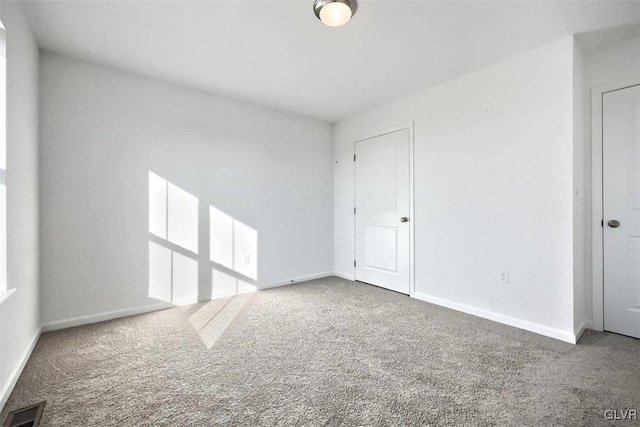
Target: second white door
column 382, row 223
column 621, row 184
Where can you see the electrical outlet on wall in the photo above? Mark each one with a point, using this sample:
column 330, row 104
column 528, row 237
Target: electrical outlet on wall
column 247, row 259
column 504, row 277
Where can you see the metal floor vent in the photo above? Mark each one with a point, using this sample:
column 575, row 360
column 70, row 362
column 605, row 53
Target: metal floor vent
column 26, row 417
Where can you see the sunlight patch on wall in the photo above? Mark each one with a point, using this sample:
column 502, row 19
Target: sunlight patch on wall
column 173, row 248
column 185, row 280
column 233, row 245
column 223, row 284
column 172, row 277
column 157, row 206
column 173, row 213
column 173, row 218
column 245, row 250
column 182, row 218
column 246, row 287
column 220, row 238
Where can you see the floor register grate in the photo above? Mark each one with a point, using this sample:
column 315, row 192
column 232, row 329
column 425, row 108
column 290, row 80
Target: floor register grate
column 26, row 417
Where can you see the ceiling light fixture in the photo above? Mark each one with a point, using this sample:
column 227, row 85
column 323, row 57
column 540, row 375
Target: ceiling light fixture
column 334, row 12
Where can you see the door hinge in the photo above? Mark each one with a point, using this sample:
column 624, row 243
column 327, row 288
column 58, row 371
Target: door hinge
column 602, row 223
column 354, row 157
column 354, row 211
column 354, row 262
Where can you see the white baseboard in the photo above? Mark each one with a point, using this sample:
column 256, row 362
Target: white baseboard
column 101, row 317
column 218, row 296
column 297, row 280
column 109, row 315
column 344, row 276
column 501, row 318
column 7, row 388
column 185, row 301
column 587, row 324
column 277, row 284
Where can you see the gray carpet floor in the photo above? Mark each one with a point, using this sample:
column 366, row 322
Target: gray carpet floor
column 326, row 352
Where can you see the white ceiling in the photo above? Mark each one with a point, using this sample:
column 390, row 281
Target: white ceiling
column 277, row 53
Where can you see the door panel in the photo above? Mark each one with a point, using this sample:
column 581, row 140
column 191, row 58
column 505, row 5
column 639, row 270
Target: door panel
column 382, row 199
column 621, row 186
column 377, row 167
column 380, row 248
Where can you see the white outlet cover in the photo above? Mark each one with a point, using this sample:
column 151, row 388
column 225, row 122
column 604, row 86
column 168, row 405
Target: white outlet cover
column 504, row 276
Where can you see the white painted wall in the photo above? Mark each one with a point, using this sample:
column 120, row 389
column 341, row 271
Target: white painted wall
column 493, row 188
column 617, row 62
column 103, row 130
column 19, row 320
column 580, row 232
column 613, row 63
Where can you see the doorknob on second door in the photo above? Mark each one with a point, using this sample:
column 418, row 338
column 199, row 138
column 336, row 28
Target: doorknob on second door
column 614, row 223
column 404, row 219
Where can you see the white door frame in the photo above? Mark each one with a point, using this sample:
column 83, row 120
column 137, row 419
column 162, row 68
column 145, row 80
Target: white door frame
column 409, row 127
column 597, row 197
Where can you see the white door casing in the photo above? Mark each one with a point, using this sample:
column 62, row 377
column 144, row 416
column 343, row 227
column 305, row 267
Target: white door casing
column 382, row 200
column 621, row 202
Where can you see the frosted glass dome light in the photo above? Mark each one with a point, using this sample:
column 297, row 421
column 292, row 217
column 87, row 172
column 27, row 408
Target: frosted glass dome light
column 334, row 13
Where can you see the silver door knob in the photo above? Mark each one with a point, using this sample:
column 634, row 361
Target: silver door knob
column 614, row 223
column 404, row 219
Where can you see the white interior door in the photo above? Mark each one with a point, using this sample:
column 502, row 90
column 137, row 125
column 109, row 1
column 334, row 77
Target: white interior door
column 382, row 211
column 621, row 186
